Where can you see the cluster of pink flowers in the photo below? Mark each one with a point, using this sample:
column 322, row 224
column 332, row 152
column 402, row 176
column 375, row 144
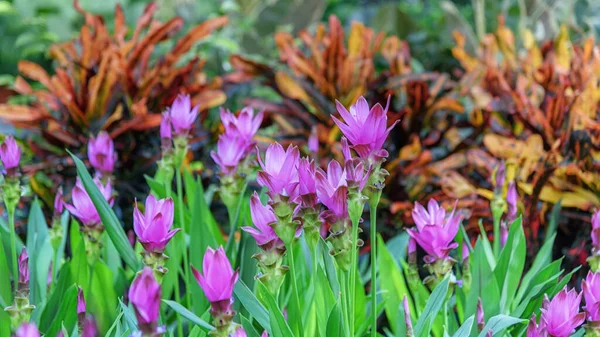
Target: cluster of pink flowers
column 237, row 140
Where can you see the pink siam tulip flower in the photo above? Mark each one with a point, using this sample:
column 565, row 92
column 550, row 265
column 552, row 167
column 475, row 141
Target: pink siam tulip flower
column 511, row 199
column 561, row 316
column 145, row 295
column 307, row 186
column 81, row 305
column 533, row 330
column 596, row 230
column 500, row 176
column 245, row 125
column 10, row 153
column 24, row 267
column 239, row 332
column 101, row 153
column 83, row 207
column 435, row 233
column 279, row 173
column 89, row 327
column 27, row 330
column 218, row 278
column 231, row 150
column 183, row 115
column 366, row 128
column 591, row 293
column 154, row 227
column 59, row 204
column 166, row 130
column 262, row 217
column 332, row 190
column 356, row 174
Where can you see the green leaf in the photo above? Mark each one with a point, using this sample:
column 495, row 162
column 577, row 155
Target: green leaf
column 465, row 329
column 392, row 283
column 109, row 219
column 248, row 327
column 40, row 252
column 65, row 314
column 435, row 303
column 279, row 326
column 63, row 283
column 334, row 322
column 101, row 297
column 252, row 304
column 499, row 323
column 180, row 309
column 5, row 287
column 541, row 260
column 330, row 268
column 483, row 285
column 324, row 300
column 510, row 265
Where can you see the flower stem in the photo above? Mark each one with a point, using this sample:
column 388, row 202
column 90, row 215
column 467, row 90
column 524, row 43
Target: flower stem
column 182, row 224
column 168, row 189
column 295, row 296
column 373, row 202
column 13, row 246
column 345, row 305
column 353, row 272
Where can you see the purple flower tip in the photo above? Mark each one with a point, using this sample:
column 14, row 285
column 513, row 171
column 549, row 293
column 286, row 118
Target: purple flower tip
column 262, row 217
column 561, row 316
column 81, row 306
column 218, row 278
column 145, row 295
column 279, row 173
column 10, row 153
column 154, row 227
column 332, row 190
column 27, row 330
column 182, row 115
column 245, row 125
column 591, row 293
column 59, row 205
column 596, row 230
column 101, row 153
column 165, row 126
column 239, row 332
column 435, row 232
column 83, row 208
column 24, row 267
column 366, row 128
column 231, row 150
column 313, row 140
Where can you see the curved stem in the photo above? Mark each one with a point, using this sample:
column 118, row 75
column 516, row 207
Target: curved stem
column 295, row 296
column 373, row 202
column 182, row 224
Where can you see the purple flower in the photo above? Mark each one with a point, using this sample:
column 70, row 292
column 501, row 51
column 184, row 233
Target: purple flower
column 407, row 319
column 10, row 153
column 561, row 316
column 231, row 150
column 591, row 293
column 313, row 141
column 218, row 278
column 81, row 306
column 435, row 233
column 239, row 332
column 24, row 267
column 101, row 153
column 83, row 207
column 365, row 128
column 262, row 217
column 154, row 227
column 307, row 186
column 166, row 131
column 279, row 173
column 145, row 295
column 244, row 126
column 27, row 330
column 332, row 190
column 182, row 114
column 533, row 330
column 89, row 327
column 480, row 315
column 59, row 204
column 465, row 251
column 596, row 230
column 356, row 174
column 511, row 199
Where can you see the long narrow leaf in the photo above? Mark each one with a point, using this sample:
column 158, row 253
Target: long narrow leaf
column 109, row 219
column 436, row 301
column 180, row 309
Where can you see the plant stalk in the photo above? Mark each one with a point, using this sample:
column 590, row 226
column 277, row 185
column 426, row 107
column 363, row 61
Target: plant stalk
column 373, row 202
column 182, row 224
